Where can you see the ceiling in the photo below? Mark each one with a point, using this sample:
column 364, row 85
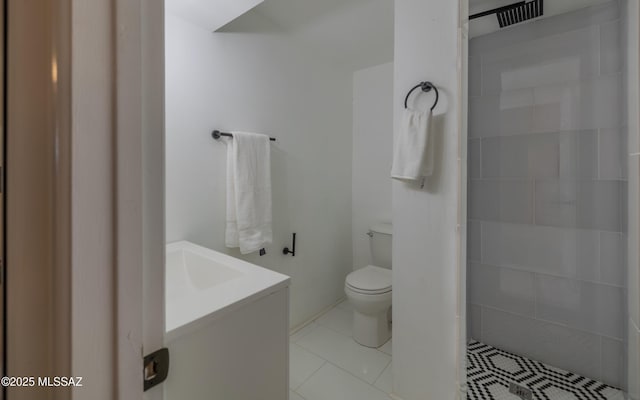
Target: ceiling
column 353, row 33
column 489, row 24
column 210, row 14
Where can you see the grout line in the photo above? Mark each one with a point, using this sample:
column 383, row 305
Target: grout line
column 381, row 372
column 296, row 392
column 546, row 321
column 312, row 374
column 565, row 228
column 526, row 270
column 350, row 373
column 598, row 153
column 360, row 379
column 535, row 294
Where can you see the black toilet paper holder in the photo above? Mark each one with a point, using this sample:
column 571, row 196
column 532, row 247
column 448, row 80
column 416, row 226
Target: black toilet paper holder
column 286, row 250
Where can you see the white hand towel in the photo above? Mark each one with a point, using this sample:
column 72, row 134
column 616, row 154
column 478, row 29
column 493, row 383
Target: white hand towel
column 248, row 192
column 413, row 153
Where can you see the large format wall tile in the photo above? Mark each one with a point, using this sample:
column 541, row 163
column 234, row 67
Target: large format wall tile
column 562, row 252
column 474, row 241
column 613, row 363
column 548, row 194
column 507, row 114
column 506, row 201
column 522, row 156
column 580, row 19
column 474, row 157
column 587, row 104
column 581, row 204
column 610, row 47
column 553, row 344
column 613, row 258
column 550, row 60
column 578, row 154
column 587, row 306
column 613, row 162
column 503, row 288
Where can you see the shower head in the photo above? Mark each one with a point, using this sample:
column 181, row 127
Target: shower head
column 515, row 13
column 520, row 12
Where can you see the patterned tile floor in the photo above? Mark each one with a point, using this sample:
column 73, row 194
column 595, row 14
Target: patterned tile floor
column 491, row 370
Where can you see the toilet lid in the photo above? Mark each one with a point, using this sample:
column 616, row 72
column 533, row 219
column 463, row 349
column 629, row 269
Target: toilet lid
column 370, row 280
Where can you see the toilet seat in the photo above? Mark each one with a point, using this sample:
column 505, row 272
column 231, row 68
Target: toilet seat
column 370, row 280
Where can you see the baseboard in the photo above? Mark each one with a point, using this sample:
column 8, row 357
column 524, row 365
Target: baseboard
column 315, row 317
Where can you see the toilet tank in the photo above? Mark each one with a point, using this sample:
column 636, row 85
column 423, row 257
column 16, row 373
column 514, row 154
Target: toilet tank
column 380, row 243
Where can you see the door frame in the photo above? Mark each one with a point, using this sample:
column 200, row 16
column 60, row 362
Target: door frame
column 88, row 93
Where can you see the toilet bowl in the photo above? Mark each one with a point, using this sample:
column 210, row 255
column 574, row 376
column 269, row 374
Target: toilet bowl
column 369, row 292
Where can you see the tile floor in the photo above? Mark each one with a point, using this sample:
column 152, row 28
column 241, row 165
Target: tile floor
column 327, row 364
column 490, row 372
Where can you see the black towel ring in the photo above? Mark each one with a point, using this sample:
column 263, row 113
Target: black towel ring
column 426, row 87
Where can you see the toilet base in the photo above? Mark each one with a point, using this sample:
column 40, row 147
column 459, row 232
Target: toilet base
column 371, row 330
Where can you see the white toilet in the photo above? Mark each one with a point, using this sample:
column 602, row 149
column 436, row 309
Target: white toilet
column 369, row 291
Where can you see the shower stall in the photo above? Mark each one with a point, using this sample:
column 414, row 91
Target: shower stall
column 547, row 231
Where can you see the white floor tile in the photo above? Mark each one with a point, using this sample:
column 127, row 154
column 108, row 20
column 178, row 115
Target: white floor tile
column 345, row 305
column 364, row 362
column 332, row 383
column 295, row 396
column 303, row 331
column 387, row 347
column 338, row 319
column 385, row 381
column 302, row 365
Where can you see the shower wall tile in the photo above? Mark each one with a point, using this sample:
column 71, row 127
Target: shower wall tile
column 587, row 306
column 503, row 288
column 547, row 192
column 560, row 346
column 634, row 361
column 578, row 154
column 523, row 156
column 610, row 47
column 613, row 163
column 474, row 241
column 475, row 76
column 504, row 115
column 606, row 12
column 613, row 362
column 545, row 27
column 474, row 159
column 634, row 240
column 561, row 252
column 613, row 258
column 475, row 321
column 587, row 104
column 581, row 204
column 549, row 60
column 506, row 201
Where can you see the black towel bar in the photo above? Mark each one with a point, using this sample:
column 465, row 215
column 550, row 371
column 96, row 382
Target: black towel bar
column 217, row 134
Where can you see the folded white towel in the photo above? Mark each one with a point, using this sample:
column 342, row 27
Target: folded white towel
column 248, row 192
column 413, row 153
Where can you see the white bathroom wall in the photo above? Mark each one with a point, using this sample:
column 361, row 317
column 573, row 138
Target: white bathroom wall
column 425, row 253
column 372, row 154
column 255, row 77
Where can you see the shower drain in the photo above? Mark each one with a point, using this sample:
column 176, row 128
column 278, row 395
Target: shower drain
column 520, row 391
